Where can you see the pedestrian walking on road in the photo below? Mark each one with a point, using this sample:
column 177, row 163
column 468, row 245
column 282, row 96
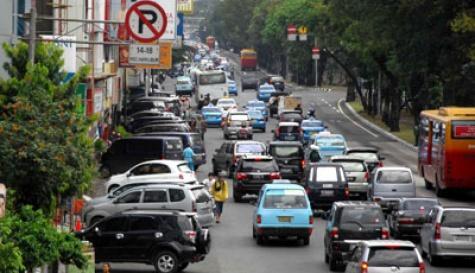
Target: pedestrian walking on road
column 219, row 190
column 188, row 155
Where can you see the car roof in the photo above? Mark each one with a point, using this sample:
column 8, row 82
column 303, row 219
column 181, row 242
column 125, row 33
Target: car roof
column 454, row 207
column 324, row 164
column 363, row 149
column 259, row 157
column 256, row 101
column 286, row 143
column 164, row 161
column 312, row 120
column 288, row 123
column 161, row 186
column 356, row 204
column 150, row 137
column 347, row 158
column 169, row 133
column 283, row 186
column 404, row 199
column 395, row 168
column 382, row 243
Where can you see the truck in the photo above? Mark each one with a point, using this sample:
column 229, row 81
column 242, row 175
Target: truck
column 248, row 59
column 288, row 103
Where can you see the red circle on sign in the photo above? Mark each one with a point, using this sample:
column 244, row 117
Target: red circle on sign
column 156, row 33
column 316, row 50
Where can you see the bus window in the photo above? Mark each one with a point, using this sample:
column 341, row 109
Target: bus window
column 462, row 129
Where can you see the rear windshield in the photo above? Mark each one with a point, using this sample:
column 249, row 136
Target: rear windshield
column 312, row 124
column 174, row 145
column 201, row 195
column 361, row 216
column 349, row 166
column 327, row 174
column 458, row 218
column 184, row 168
column 392, row 256
column 250, row 148
column 196, row 140
column 186, row 223
column 226, row 102
column 288, row 129
column 286, row 151
column 258, row 166
column 330, row 141
column 365, row 155
column 419, row 204
column 239, row 117
column 256, row 115
column 256, row 104
column 292, row 116
column 394, row 177
column 285, row 199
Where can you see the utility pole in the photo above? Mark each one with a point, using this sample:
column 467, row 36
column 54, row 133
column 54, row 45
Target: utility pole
column 32, row 42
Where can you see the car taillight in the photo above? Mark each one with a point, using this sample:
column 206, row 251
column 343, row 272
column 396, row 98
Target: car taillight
column 364, row 267
column 366, row 176
column 277, row 132
column 334, row 233
column 422, row 267
column 302, row 163
column 384, row 233
column 274, row 175
column 311, row 220
column 191, row 234
column 437, row 235
column 405, row 220
column 259, row 219
column 241, row 176
column 347, row 193
column 376, row 199
column 308, row 190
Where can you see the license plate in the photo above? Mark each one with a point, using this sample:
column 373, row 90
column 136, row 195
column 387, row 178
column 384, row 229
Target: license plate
column 327, row 186
column 284, row 219
column 326, row 193
column 257, row 176
column 465, row 238
column 289, row 138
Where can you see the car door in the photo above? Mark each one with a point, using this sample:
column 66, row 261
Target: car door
column 108, row 242
column 427, row 230
column 129, row 200
column 178, row 200
column 140, row 237
column 155, row 199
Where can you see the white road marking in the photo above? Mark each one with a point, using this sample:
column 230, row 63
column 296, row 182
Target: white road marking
column 354, row 122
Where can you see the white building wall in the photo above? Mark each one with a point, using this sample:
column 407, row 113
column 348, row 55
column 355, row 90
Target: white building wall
column 6, row 31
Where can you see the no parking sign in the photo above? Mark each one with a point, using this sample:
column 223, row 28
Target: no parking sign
column 146, row 21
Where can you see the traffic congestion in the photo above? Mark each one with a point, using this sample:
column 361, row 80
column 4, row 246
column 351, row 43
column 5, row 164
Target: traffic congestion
column 220, row 153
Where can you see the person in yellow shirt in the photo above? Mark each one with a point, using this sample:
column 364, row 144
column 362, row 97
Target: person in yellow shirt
column 219, row 190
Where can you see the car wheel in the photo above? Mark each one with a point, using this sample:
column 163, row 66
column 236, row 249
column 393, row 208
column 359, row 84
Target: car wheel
column 250, row 137
column 230, row 170
column 427, row 184
column 182, row 266
column 166, row 262
column 260, row 239
column 438, row 189
column 306, row 240
column 95, row 220
column 327, row 259
column 264, row 130
column 105, row 171
column 237, row 196
column 333, row 264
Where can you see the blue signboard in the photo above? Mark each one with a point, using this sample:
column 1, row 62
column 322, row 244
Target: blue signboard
column 181, row 23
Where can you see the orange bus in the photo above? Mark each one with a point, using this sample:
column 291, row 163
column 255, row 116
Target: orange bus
column 446, row 143
column 248, row 59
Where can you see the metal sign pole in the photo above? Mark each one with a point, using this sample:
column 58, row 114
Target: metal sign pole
column 316, row 65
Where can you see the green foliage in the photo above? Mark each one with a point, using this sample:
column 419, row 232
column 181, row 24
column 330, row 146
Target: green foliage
column 46, row 152
column 33, row 241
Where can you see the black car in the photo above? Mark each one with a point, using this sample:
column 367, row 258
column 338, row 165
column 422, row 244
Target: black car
column 409, row 216
column 325, row 183
column 227, row 155
column 169, row 240
column 168, row 127
column 251, row 173
column 143, row 105
column 352, row 221
column 290, row 158
column 371, row 156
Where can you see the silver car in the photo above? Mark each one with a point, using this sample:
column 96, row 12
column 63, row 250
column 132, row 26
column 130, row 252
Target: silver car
column 188, row 198
column 380, row 256
column 237, row 125
column 389, row 184
column 357, row 173
column 448, row 232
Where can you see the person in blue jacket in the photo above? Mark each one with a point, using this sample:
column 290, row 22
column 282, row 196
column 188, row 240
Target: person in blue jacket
column 188, row 155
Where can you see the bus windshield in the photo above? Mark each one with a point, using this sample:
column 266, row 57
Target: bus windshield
column 212, row 79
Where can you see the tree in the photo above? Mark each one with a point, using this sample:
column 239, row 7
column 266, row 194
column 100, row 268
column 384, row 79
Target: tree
column 46, row 152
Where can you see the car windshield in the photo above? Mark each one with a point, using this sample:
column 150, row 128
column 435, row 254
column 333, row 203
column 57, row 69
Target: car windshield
column 255, row 104
column 255, row 114
column 250, row 148
column 350, row 166
column 240, row 117
column 394, row 177
column 286, row 151
column 285, row 199
column 277, row 79
column 393, row 256
column 183, row 82
column 365, row 155
column 210, row 110
column 419, row 204
column 329, row 141
column 361, row 216
column 327, row 174
column 312, row 124
column 258, row 166
column 458, row 219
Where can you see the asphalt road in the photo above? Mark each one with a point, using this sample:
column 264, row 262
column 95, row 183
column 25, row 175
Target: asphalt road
column 233, row 249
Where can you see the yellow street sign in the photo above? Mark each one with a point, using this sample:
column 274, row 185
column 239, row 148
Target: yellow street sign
column 185, row 6
column 303, row 30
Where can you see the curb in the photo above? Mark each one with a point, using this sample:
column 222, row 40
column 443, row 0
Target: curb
column 380, row 130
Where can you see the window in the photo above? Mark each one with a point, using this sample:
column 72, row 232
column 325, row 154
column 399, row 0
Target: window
column 132, row 197
column 139, row 223
column 330, row 141
column 292, row 116
column 156, row 196
column 151, row 169
column 250, row 148
column 201, row 195
column 394, row 177
column 139, row 147
column 356, row 257
column 361, row 216
column 174, row 145
column 258, row 166
column 289, row 129
column 365, row 155
column 287, row 151
column 458, row 219
column 126, row 188
column 312, row 124
column 352, row 166
column 463, row 129
column 176, row 195
column 285, row 199
column 184, row 168
column 212, row 79
column 239, row 117
column 419, row 204
column 113, row 225
column 229, row 148
column 196, row 140
column 327, row 174
column 392, row 256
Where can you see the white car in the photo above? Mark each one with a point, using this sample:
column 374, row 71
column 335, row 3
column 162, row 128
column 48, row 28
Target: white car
column 152, row 171
column 226, row 104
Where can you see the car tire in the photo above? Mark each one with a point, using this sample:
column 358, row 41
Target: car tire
column 428, row 185
column 264, row 130
column 434, row 260
column 327, row 259
column 306, row 240
column 95, row 219
column 166, row 262
column 182, row 267
column 260, row 239
column 105, row 171
column 438, row 189
column 237, row 196
column 253, row 233
column 333, row 264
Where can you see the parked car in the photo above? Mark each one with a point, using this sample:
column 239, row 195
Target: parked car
column 291, row 116
column 153, row 170
column 258, row 105
column 349, row 222
column 141, row 118
column 258, row 121
column 311, row 127
column 357, row 174
column 238, row 125
column 169, row 240
column 127, row 152
column 371, row 155
column 288, row 131
column 194, row 140
column 265, row 92
column 330, row 144
column 289, row 155
column 325, row 183
column 153, row 196
column 283, row 211
column 232, row 88
column 226, row 156
column 253, row 171
column 409, row 216
column 212, row 115
column 385, row 256
column 389, row 184
column 143, row 105
column 167, row 127
column 448, row 232
column 184, row 86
